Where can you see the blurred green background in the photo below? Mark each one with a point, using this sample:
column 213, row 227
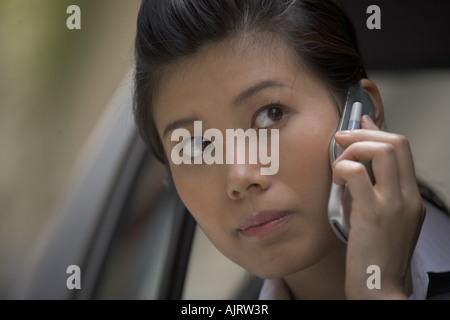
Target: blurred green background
column 54, row 84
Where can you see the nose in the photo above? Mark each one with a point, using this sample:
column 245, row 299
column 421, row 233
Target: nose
column 245, row 179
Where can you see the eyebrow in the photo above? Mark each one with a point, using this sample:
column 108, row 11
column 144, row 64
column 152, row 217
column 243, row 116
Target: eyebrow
column 248, row 93
column 178, row 123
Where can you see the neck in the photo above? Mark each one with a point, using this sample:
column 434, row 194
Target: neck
column 323, row 280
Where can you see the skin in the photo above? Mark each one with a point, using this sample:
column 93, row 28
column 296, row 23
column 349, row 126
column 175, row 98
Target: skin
column 303, row 250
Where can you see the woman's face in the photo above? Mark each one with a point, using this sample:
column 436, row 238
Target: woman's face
column 272, row 225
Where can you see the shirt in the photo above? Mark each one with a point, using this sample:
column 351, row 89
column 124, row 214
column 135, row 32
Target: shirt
column 431, row 255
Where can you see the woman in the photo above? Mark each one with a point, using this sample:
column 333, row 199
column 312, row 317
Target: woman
column 285, row 66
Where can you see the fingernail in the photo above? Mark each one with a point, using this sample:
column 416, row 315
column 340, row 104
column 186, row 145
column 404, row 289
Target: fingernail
column 343, row 132
column 367, row 118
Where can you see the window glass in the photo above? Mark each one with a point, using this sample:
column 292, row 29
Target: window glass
column 135, row 260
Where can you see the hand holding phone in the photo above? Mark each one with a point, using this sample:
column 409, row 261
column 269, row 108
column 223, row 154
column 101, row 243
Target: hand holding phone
column 386, row 217
column 358, row 103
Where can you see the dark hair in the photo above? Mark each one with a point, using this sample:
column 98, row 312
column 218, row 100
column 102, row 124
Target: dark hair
column 318, row 31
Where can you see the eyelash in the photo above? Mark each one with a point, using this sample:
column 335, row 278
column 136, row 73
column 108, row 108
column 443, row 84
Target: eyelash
column 267, row 107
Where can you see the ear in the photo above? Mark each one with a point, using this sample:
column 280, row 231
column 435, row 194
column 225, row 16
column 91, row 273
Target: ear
column 375, row 96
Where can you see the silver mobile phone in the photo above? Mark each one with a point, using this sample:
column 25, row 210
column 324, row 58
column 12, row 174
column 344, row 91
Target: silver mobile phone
column 358, row 103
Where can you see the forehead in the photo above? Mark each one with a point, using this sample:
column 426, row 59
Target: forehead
column 220, row 71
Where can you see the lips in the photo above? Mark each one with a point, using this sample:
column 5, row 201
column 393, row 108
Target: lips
column 264, row 222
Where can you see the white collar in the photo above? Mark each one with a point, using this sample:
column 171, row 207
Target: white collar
column 432, row 253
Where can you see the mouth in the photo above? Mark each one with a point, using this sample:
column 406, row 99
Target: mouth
column 264, row 222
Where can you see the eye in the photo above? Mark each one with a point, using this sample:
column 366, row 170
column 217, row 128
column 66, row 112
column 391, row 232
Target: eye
column 269, row 116
column 194, row 147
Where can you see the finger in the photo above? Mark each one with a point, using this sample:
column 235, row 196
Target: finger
column 347, row 137
column 400, row 143
column 344, row 135
column 356, row 176
column 384, row 163
column 367, row 123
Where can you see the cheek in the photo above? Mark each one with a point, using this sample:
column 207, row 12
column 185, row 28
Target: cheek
column 195, row 188
column 204, row 199
column 304, row 161
column 191, row 190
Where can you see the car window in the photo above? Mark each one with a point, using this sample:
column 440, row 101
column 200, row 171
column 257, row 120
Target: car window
column 141, row 250
column 135, row 259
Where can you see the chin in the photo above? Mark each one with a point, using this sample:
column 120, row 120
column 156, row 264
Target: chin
column 293, row 257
